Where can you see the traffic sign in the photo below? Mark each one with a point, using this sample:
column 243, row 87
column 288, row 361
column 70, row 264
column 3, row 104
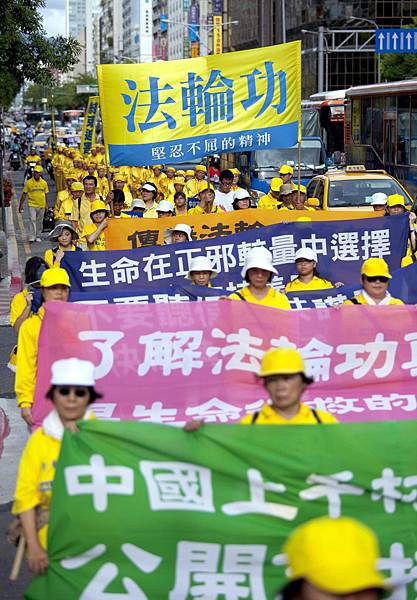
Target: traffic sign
column 395, row 41
column 87, row 89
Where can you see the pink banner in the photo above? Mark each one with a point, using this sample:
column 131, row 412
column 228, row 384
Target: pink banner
column 173, row 362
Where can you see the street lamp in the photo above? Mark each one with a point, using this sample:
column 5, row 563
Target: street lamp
column 192, row 27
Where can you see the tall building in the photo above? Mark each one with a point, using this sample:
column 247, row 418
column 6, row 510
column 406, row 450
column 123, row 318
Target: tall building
column 177, row 32
column 74, row 17
column 92, row 37
column 160, row 29
column 111, row 31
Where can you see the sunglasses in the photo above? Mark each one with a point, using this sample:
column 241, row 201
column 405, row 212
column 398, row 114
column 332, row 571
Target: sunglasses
column 79, row 392
column 378, row 278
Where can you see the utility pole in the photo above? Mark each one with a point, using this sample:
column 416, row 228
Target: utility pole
column 320, row 51
column 283, row 20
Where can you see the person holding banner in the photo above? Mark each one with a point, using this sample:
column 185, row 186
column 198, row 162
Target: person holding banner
column 21, row 305
column 66, row 236
column 71, row 393
column 332, row 558
column 308, row 278
column 375, row 278
column 94, row 233
column 284, row 378
column 149, row 193
column 396, row 207
column 258, row 272
column 271, row 200
column 165, row 209
column 224, row 193
column 55, row 286
column 241, row 200
column 180, row 203
column 201, row 271
column 206, row 205
column 178, row 234
column 286, row 196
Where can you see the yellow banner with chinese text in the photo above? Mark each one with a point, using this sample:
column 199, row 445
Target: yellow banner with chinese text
column 177, row 111
column 123, row 234
column 88, row 136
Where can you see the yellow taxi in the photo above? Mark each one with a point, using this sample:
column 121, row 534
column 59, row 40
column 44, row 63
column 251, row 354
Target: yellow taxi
column 352, row 188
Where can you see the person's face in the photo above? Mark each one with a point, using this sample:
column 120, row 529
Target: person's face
column 188, row 177
column 309, row 591
column 304, row 266
column 245, row 203
column 70, row 182
column 235, row 179
column 162, row 214
column 170, row 174
column 274, row 194
column 199, row 175
column 285, row 391
column 76, row 194
column 65, row 238
column 379, row 207
column 225, row 185
column 178, row 187
column 138, row 209
column 147, row 196
column 178, row 237
column 207, row 197
column 286, row 199
column 89, row 186
column 77, row 164
column 119, row 185
column 200, row 277
column 91, row 170
column 71, row 401
column 157, row 172
column 98, row 216
column 258, row 277
column 376, row 287
column 285, row 178
column 117, row 207
column 101, row 172
column 36, row 175
column 55, row 293
column 396, row 210
column 298, row 200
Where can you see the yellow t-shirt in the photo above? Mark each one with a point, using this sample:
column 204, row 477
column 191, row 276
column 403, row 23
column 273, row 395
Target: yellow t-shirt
column 273, row 298
column 49, row 257
column 317, row 283
column 99, row 243
column 268, row 202
column 82, row 216
column 151, row 213
column 305, row 416
column 362, row 300
column 194, row 186
column 197, row 210
column 36, row 191
column 17, row 306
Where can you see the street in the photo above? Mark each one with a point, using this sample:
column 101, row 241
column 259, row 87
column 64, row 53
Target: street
column 13, row 432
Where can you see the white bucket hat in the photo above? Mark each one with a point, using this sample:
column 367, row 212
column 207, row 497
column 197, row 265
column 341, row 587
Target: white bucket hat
column 72, row 371
column 241, row 194
column 165, row 206
column 138, row 203
column 179, row 227
column 379, row 198
column 201, row 263
column 258, row 258
column 306, row 253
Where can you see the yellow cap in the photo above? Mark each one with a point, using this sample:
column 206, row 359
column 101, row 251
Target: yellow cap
column 92, row 163
column 77, row 186
column 156, row 167
column 180, row 173
column 98, row 205
column 286, row 170
column 395, row 200
column 282, row 361
column 171, row 169
column 71, row 175
column 38, row 169
column 55, row 276
column 235, row 171
column 119, row 177
column 276, row 184
column 189, row 172
column 374, row 267
column 201, row 168
column 338, row 556
column 209, row 186
column 180, row 180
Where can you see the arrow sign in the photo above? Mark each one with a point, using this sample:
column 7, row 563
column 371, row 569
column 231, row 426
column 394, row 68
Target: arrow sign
column 396, row 41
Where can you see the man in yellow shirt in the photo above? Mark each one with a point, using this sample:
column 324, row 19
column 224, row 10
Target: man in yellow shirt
column 298, row 199
column 169, row 182
column 63, row 202
column 206, row 206
column 36, row 190
column 285, row 380
column 375, row 278
column 271, row 200
column 120, row 183
column 103, row 187
column 158, row 178
column 196, row 184
column 82, row 208
column 286, row 174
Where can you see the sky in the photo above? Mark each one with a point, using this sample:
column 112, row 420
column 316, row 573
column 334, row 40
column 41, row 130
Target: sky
column 54, row 17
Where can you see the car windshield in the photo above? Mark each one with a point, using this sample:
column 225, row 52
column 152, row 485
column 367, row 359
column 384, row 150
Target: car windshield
column 42, row 137
column 358, row 192
column 310, row 155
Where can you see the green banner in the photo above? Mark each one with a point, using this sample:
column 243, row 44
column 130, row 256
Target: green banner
column 143, row 511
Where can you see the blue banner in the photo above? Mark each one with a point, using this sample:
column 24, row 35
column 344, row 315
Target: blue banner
column 341, row 247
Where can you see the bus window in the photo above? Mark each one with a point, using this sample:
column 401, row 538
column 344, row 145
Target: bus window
column 366, row 115
column 377, row 125
column 413, row 150
column 403, row 130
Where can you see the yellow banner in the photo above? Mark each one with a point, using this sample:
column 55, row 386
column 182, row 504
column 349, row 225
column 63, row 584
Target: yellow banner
column 88, row 136
column 217, row 34
column 177, row 111
column 123, row 234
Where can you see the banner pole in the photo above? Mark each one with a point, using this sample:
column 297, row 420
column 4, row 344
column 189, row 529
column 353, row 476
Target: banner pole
column 299, row 171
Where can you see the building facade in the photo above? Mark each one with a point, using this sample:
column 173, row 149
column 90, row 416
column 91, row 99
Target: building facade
column 74, row 17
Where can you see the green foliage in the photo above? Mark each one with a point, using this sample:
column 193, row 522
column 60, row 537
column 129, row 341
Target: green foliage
column 395, row 67
column 61, row 97
column 26, row 53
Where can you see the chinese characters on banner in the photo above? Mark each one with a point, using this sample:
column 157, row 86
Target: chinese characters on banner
column 224, row 506
column 341, row 248
column 89, row 125
column 183, row 110
column 189, row 360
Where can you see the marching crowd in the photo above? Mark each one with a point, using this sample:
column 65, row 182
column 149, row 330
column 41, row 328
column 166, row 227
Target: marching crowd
column 89, row 194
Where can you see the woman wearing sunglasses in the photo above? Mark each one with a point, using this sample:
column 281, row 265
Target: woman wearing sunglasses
column 71, row 392
column 375, row 278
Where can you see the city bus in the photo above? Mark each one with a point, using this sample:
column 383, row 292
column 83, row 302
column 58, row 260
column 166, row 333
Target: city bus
column 381, row 129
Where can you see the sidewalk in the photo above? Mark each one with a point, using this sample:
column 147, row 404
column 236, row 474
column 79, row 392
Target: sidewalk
column 10, row 285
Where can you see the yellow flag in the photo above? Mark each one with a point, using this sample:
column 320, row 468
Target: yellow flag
column 88, row 136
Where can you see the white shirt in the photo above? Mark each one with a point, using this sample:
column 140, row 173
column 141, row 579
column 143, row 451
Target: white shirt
column 225, row 201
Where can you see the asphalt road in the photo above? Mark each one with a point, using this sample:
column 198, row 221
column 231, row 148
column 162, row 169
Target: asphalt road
column 9, row 415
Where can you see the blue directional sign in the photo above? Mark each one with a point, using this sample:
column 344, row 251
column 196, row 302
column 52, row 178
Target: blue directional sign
column 395, row 41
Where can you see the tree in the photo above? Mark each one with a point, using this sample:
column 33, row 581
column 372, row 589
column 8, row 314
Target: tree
column 26, row 53
column 60, row 97
column 395, row 67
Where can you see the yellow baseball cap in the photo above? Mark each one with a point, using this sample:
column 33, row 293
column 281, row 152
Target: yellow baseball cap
column 180, row 173
column 201, row 168
column 171, row 169
column 338, row 556
column 119, row 177
column 38, row 169
column 179, row 180
column 286, row 170
column 209, row 186
column 55, row 276
column 276, row 183
column 98, row 205
column 71, row 175
column 235, row 171
column 189, row 172
column 156, row 167
column 77, row 186
column 374, row 267
column 283, row 361
column 395, row 200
